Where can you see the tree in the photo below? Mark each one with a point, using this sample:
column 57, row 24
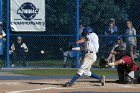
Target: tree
column 91, row 12
column 134, row 12
column 100, row 11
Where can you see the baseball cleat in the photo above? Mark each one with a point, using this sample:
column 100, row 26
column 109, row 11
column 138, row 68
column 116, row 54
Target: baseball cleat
column 67, row 84
column 103, row 80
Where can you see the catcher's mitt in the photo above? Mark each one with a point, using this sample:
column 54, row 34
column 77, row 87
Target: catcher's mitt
column 103, row 63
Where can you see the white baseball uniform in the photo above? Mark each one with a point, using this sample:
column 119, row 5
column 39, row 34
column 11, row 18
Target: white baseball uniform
column 91, row 48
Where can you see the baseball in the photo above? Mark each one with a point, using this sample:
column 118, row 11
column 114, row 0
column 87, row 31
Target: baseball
column 42, row 52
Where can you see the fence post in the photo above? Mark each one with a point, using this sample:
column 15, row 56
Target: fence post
column 1, row 27
column 77, row 32
column 7, row 33
column 71, row 16
column 1, row 9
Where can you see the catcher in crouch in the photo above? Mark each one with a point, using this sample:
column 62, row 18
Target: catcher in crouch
column 128, row 70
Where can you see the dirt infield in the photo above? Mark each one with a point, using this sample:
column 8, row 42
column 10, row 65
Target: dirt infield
column 54, row 86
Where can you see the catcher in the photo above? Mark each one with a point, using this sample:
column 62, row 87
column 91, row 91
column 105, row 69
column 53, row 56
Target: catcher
column 128, row 70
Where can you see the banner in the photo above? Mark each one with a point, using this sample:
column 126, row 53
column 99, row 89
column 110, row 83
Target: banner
column 27, row 15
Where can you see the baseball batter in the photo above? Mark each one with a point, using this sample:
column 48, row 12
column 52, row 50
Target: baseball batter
column 91, row 48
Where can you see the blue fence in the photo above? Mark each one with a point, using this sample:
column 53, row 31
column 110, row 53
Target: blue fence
column 48, row 49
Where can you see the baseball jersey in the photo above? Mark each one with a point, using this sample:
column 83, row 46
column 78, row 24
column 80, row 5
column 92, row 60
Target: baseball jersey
column 20, row 47
column 131, row 38
column 93, row 43
column 128, row 60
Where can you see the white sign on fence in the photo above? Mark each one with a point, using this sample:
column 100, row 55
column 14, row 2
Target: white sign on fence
column 27, row 15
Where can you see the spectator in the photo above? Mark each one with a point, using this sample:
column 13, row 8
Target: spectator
column 111, row 30
column 2, row 33
column 19, row 51
column 2, row 39
column 131, row 40
column 69, row 56
column 111, row 57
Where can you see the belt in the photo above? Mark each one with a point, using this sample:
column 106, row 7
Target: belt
column 89, row 51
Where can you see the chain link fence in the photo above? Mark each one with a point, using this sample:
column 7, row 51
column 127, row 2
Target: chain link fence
column 52, row 47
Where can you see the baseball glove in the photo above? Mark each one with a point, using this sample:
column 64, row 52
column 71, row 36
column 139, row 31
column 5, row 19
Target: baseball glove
column 103, row 63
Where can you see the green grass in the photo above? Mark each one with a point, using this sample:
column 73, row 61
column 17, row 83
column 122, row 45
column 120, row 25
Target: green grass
column 51, row 63
column 46, row 63
column 61, row 72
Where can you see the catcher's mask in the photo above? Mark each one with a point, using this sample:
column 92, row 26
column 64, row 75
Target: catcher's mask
column 119, row 48
column 86, row 31
column 120, row 52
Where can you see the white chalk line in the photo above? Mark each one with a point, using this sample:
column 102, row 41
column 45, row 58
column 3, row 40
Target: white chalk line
column 49, row 88
column 33, row 90
column 10, row 83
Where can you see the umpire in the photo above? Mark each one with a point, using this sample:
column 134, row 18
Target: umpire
column 128, row 70
column 19, row 51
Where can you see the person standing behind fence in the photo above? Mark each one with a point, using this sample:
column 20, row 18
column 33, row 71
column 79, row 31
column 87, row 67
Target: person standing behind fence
column 109, row 31
column 19, row 51
column 2, row 39
column 2, row 33
column 69, row 56
column 112, row 28
column 131, row 40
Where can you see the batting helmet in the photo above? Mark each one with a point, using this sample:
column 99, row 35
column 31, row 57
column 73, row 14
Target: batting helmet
column 86, row 31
